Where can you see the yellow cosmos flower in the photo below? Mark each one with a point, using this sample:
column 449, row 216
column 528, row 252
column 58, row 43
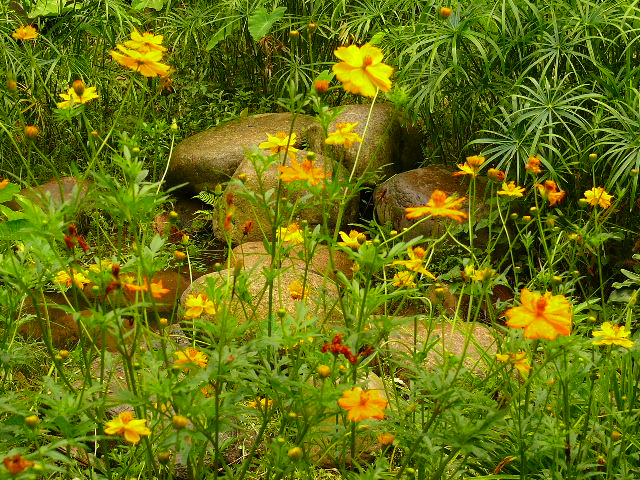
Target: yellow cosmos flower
column 147, row 64
column 305, row 171
column 77, row 278
column 511, row 190
column 542, row 316
column 344, row 135
column 125, row 424
column 404, row 279
column 354, row 240
column 4, row 183
column 71, row 98
column 598, row 196
column 103, row 266
column 439, row 205
column 612, row 335
column 415, row 262
column 518, row 360
column 361, row 70
column 550, row 192
column 297, row 292
column 478, row 275
column 290, row 234
column 26, row 32
column 146, row 42
column 262, row 402
column 471, row 166
column 280, row 142
column 191, row 356
column 197, row 305
column 363, row 404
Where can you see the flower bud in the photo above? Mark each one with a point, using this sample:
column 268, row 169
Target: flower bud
column 556, row 279
column 324, row 370
column 410, row 471
column 551, row 222
column 32, row 421
column 242, row 177
column 294, row 33
column 63, row 353
column 294, row 453
column 180, row 422
column 31, row 131
column 312, row 26
column 237, row 268
column 321, row 86
column 164, row 457
column 514, row 215
column 616, row 435
column 281, row 313
column 361, row 238
column 445, row 12
column 163, row 322
column 174, row 126
column 293, row 415
column 593, row 156
column 386, row 438
column 94, row 133
column 173, row 215
column 634, row 171
column 78, row 87
column 526, row 218
column 280, row 440
column 533, row 209
column 179, row 255
column 393, row 233
column 217, row 267
column 496, row 175
column 12, row 85
column 185, row 239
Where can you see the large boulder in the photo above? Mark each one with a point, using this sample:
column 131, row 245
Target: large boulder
column 211, row 157
column 384, row 145
column 55, row 192
column 249, row 200
column 414, row 189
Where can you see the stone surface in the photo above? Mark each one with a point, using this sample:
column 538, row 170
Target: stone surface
column 253, row 254
column 414, row 189
column 474, row 340
column 55, row 191
column 254, row 307
column 211, row 157
column 384, row 144
column 258, row 182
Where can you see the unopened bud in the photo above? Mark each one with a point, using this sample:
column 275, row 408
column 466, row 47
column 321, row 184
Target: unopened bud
column 321, row 86
column 514, row 215
column 180, row 422
column 616, row 435
column 163, row 322
column 312, row 26
column 361, row 238
column 324, row 370
column 164, row 457
column 294, row 33
column 393, row 233
column 78, row 87
column 281, row 313
column 237, row 268
column 634, row 171
column 593, row 156
column 556, row 279
column 533, row 209
column 526, row 218
column 173, row 215
column 63, row 353
column 280, row 440
column 294, row 453
column 12, row 85
column 242, row 177
column 174, row 126
column 179, row 255
column 32, row 421
column 551, row 222
column 445, row 12
column 293, row 415
column 31, row 131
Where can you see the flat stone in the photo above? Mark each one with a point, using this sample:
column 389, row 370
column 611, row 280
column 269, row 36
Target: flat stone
column 55, row 191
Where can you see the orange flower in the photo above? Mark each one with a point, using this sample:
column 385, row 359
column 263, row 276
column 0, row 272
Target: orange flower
column 157, row 288
column 362, row 70
column 549, row 191
column 511, row 190
column 281, row 142
column 415, row 262
column 124, row 424
column 26, row 32
column 16, row 464
column 439, row 205
column 496, row 175
column 471, row 166
column 146, row 42
column 4, row 183
column 533, row 165
column 297, row 292
column 147, row 64
column 518, row 360
column 542, row 316
column 363, row 404
column 386, row 438
column 305, row 171
column 191, row 356
column 344, row 135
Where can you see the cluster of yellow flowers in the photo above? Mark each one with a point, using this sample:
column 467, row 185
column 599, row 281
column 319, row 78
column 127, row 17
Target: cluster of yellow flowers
column 143, row 54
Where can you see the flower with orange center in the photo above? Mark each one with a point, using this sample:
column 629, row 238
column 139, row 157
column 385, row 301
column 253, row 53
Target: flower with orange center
column 496, row 175
column 404, row 279
column 549, row 191
column 598, row 196
column 297, row 291
column 197, row 305
column 156, row 288
column 511, row 190
column 361, row 70
column 72, row 98
column 439, row 205
column 363, row 404
column 519, row 360
column 612, row 335
column 354, row 240
column 533, row 165
column 415, row 262
column 17, row 464
column 145, row 42
column 344, row 135
column 64, row 278
column 542, row 316
column 129, row 427
column 191, row 356
column 471, row 166
column 305, row 171
column 290, row 234
column 281, row 142
column 26, row 32
column 147, row 64
column 4, row 183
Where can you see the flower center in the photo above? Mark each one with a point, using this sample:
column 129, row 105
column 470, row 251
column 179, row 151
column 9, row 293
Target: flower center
column 367, row 60
column 541, row 306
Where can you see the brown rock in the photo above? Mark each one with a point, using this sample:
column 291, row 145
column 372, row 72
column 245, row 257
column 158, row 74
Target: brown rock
column 211, row 157
column 55, row 191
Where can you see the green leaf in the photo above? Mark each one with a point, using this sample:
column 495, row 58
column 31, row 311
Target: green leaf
column 8, row 192
column 261, row 21
column 142, row 4
column 13, row 230
column 11, row 214
column 45, row 8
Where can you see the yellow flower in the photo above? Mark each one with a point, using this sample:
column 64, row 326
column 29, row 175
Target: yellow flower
column 363, row 404
column 103, row 266
column 598, row 196
column 471, row 166
column 518, row 360
column 71, row 98
column 439, row 205
column 353, row 240
column 612, row 335
column 511, row 190
column 261, row 401
column 290, row 234
column 147, row 64
column 156, row 288
column 26, row 32
column 305, row 171
column 542, row 316
column 478, row 275
column 146, row 42
column 362, row 70
column 344, row 135
column 124, row 424
column 549, row 191
column 191, row 356
column 297, row 292
column 197, row 305
column 404, row 279
column 4, row 183
column 77, row 278
column 415, row 262
column 281, row 142
column 496, row 175
column 533, row 165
